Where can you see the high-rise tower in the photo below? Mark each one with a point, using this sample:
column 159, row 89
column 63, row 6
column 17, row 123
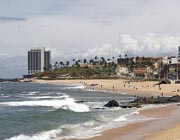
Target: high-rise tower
column 38, row 60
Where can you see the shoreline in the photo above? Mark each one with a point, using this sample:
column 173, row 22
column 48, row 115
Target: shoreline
column 139, row 130
column 131, row 130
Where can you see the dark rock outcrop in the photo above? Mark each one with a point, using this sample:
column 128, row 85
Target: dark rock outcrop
column 130, row 105
column 144, row 100
column 156, row 100
column 174, row 98
column 112, row 103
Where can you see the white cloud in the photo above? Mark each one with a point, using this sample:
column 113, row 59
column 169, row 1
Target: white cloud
column 146, row 45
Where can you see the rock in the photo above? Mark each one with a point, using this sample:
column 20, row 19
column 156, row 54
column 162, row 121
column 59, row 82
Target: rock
column 93, row 85
column 130, row 105
column 80, row 101
column 99, row 108
column 174, row 99
column 112, row 103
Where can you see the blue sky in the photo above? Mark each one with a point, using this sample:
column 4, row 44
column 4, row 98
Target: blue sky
column 85, row 28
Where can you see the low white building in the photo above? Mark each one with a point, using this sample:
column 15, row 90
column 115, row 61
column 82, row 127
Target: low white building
column 169, row 60
column 122, row 71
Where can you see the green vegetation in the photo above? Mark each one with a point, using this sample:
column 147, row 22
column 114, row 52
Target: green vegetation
column 95, row 68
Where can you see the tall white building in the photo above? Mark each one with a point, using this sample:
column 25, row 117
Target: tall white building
column 38, row 60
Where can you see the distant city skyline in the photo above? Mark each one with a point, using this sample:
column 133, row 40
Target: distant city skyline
column 86, row 28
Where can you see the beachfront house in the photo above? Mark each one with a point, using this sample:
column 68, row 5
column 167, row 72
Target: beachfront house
column 122, row 71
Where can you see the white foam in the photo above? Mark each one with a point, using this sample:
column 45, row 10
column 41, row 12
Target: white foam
column 75, row 131
column 76, row 87
column 123, row 93
column 67, row 103
column 84, row 130
column 41, row 136
column 33, row 92
column 122, row 118
column 45, row 97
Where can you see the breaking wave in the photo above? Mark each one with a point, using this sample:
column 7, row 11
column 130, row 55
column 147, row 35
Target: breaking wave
column 65, row 103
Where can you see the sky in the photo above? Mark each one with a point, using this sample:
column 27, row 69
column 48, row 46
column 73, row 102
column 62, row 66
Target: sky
column 86, row 28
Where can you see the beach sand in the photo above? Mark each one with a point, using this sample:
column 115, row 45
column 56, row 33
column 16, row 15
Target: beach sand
column 137, row 88
column 166, row 122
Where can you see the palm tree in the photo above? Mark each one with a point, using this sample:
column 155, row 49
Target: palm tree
column 74, row 61
column 56, row 65
column 61, row 63
column 67, row 63
column 125, row 55
column 84, row 61
column 95, row 57
column 78, row 66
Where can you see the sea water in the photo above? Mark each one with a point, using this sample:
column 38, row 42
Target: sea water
column 33, row 111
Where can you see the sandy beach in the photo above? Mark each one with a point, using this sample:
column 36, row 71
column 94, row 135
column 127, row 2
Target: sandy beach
column 165, row 124
column 123, row 86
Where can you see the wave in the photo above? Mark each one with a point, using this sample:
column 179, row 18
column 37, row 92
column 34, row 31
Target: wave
column 46, row 97
column 122, row 118
column 76, row 87
column 33, row 92
column 93, row 128
column 74, row 131
column 66, row 103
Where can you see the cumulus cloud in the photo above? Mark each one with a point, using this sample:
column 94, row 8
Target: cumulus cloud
column 145, row 45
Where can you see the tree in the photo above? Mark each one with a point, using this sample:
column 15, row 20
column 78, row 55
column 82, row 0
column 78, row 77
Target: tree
column 67, row 63
column 67, row 66
column 125, row 55
column 61, row 63
column 56, row 65
column 74, row 60
column 84, row 61
column 95, row 57
column 91, row 61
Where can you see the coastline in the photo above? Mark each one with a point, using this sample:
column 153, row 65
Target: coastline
column 155, row 129
column 166, row 118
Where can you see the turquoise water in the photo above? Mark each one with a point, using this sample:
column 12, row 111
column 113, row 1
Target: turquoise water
column 32, row 111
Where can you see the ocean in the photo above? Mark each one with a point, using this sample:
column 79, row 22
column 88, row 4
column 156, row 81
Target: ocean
column 33, row 111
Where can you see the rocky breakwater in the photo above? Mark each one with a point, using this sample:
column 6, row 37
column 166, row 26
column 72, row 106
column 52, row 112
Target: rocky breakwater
column 139, row 101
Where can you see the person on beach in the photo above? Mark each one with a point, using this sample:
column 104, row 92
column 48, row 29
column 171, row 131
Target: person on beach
column 162, row 94
column 113, row 88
